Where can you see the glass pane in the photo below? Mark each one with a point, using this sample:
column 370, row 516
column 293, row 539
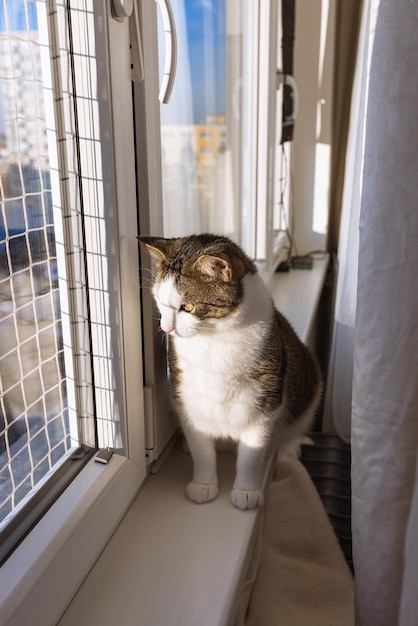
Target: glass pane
column 35, row 432
column 202, row 124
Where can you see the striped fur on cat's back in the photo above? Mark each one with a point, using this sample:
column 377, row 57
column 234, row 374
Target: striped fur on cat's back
column 238, row 370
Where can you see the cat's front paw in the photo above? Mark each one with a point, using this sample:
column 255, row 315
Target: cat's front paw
column 243, row 499
column 201, row 492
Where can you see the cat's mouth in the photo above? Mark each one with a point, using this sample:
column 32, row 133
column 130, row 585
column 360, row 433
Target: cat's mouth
column 188, row 333
column 173, row 331
column 183, row 335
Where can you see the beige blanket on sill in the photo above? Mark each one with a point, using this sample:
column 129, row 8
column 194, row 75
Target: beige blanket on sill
column 302, row 577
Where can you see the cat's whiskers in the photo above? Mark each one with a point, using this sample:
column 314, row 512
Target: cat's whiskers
column 145, row 281
column 160, row 332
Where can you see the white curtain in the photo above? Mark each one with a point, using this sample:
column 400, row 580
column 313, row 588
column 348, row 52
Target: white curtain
column 340, row 377
column 384, row 325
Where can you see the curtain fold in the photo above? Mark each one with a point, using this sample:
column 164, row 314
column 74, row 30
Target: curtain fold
column 340, row 376
column 347, row 30
column 385, row 377
column 376, row 316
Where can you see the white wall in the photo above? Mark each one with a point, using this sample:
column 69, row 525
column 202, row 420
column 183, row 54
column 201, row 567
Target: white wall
column 313, row 70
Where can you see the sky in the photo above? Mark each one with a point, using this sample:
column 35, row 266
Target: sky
column 200, row 86
column 19, row 18
column 16, row 13
column 206, row 35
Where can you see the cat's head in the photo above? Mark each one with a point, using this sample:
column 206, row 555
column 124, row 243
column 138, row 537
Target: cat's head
column 198, row 283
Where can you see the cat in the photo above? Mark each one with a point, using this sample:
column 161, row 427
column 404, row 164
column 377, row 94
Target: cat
column 238, row 370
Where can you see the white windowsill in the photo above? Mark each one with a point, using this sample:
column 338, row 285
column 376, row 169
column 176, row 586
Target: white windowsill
column 174, row 562
column 44, row 572
column 296, row 294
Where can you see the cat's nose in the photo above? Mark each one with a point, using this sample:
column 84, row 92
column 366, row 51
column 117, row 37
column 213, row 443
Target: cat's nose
column 167, row 325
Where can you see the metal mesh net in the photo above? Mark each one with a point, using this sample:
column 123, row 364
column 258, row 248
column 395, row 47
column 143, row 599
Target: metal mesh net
column 34, row 429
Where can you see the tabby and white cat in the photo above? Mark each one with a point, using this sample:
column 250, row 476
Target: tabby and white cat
column 238, row 370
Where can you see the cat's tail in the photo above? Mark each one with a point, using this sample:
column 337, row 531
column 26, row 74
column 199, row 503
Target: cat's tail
column 293, row 448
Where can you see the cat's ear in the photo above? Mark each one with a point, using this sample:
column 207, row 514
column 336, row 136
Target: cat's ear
column 156, row 246
column 214, row 267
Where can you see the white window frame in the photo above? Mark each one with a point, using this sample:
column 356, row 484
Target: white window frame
column 262, row 129
column 45, row 570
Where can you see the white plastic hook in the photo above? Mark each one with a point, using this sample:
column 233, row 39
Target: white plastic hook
column 170, row 50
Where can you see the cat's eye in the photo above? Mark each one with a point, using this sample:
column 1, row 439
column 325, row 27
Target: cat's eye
column 189, row 308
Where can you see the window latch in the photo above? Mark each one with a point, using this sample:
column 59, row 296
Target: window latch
column 80, row 452
column 122, row 9
column 287, row 79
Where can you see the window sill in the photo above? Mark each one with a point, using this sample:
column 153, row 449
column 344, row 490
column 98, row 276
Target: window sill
column 297, row 293
column 171, row 561
column 44, row 572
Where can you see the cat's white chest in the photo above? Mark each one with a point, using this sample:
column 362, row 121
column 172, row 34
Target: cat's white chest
column 217, row 393
column 213, row 386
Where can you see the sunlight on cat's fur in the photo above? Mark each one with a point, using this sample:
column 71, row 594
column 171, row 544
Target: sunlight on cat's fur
column 238, row 370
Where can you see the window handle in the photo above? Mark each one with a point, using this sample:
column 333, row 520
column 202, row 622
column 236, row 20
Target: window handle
column 170, row 50
column 122, row 9
column 129, row 8
column 137, row 60
column 287, row 79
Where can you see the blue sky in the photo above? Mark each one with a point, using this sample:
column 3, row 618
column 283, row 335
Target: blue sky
column 205, row 27
column 17, row 15
column 206, row 35
column 18, row 18
column 200, row 85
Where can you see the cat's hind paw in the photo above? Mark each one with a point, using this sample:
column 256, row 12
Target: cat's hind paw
column 243, row 499
column 201, row 492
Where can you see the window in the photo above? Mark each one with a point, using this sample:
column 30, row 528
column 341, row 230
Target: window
column 205, row 161
column 71, row 355
column 222, row 114
column 37, row 427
